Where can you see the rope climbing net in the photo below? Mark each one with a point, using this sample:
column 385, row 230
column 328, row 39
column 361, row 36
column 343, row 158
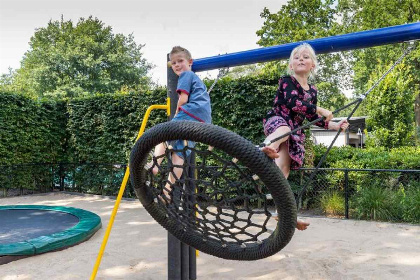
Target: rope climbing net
column 219, row 205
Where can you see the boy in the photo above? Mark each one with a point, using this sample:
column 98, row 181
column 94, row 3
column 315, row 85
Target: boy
column 193, row 105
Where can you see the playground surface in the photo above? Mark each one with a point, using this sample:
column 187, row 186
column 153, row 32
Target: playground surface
column 137, row 249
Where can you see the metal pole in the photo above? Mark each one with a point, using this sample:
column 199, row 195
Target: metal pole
column 346, row 192
column 351, row 41
column 174, row 245
column 179, row 254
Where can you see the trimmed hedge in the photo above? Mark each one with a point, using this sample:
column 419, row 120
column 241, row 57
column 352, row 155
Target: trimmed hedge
column 31, row 130
column 370, row 158
column 103, row 128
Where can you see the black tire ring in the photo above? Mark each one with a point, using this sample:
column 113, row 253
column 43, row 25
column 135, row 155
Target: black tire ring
column 236, row 146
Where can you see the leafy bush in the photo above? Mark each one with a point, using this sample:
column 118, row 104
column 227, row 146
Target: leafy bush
column 332, row 203
column 373, row 203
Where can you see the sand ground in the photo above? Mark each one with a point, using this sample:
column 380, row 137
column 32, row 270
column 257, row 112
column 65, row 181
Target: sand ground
column 137, row 249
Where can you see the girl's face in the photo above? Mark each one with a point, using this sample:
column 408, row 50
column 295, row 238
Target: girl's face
column 302, row 63
column 180, row 63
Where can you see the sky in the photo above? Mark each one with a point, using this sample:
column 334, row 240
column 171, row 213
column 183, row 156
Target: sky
column 205, row 27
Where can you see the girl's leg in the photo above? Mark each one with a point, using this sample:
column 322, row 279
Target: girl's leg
column 283, row 162
column 271, row 150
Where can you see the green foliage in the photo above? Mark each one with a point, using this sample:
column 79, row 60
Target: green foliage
column 387, row 196
column 390, row 107
column 411, row 204
column 370, row 158
column 103, row 127
column 31, row 131
column 332, row 203
column 300, row 20
column 373, row 203
column 68, row 60
column 379, row 202
column 241, row 104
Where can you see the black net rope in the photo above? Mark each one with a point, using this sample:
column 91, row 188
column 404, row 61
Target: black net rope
column 220, row 200
column 219, row 205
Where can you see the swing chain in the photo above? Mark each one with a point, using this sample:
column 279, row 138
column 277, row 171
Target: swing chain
column 222, row 73
column 407, row 51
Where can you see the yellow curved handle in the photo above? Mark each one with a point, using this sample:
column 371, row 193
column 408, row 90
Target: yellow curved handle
column 166, row 107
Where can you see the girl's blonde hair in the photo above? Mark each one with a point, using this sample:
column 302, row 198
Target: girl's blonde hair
column 298, row 49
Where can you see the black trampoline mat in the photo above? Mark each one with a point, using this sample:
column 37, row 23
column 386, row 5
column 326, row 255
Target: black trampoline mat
column 18, row 225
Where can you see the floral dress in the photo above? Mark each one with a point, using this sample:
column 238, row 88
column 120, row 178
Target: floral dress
column 292, row 105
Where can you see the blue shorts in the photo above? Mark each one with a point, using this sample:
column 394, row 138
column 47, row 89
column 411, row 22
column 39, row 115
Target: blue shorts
column 179, row 144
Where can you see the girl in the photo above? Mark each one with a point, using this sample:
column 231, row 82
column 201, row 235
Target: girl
column 295, row 100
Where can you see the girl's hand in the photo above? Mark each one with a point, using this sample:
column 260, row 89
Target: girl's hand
column 343, row 124
column 325, row 113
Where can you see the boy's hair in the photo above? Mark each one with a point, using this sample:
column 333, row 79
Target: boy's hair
column 178, row 49
column 298, row 49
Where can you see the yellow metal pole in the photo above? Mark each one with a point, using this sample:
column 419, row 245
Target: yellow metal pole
column 122, row 188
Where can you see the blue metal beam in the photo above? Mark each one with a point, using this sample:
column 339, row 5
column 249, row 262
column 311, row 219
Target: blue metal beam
column 357, row 40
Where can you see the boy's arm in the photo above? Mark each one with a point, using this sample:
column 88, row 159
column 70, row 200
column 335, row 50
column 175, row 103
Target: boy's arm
column 182, row 99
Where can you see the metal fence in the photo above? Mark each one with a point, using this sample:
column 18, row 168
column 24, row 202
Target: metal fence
column 334, row 192
column 90, row 178
column 341, row 191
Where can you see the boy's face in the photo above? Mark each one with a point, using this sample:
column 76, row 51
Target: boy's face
column 180, row 63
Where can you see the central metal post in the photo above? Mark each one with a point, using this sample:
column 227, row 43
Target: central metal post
column 181, row 257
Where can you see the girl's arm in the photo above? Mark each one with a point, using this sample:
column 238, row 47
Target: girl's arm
column 325, row 113
column 343, row 124
column 321, row 112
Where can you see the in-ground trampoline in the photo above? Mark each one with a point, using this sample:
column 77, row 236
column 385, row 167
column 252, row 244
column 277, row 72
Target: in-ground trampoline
column 27, row 230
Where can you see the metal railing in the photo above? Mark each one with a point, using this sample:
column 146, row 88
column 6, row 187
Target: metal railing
column 333, row 191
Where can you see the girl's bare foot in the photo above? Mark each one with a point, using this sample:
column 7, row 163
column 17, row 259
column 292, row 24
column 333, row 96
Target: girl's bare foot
column 165, row 197
column 300, row 225
column 270, row 152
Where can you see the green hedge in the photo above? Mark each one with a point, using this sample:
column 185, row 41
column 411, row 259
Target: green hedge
column 31, row 130
column 103, row 128
column 240, row 104
column 370, row 158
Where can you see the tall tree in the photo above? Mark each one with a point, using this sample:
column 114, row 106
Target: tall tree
column 390, row 101
column 300, row 20
column 390, row 109
column 70, row 60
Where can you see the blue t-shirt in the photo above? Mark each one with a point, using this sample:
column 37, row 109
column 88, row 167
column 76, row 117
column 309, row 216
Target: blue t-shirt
column 198, row 105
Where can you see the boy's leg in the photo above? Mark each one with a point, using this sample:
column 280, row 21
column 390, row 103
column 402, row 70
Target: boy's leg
column 159, row 150
column 271, row 150
column 173, row 176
